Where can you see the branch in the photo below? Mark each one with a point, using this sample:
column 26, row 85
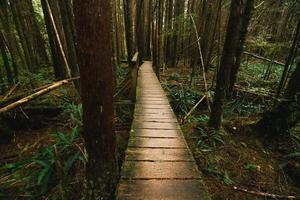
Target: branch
column 264, row 194
column 36, row 95
column 202, row 63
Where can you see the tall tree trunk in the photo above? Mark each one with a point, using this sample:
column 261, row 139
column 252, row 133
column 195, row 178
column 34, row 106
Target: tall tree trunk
column 93, row 30
column 290, row 59
column 70, row 45
column 21, row 33
column 227, row 60
column 140, row 28
column 57, row 59
column 5, row 59
column 179, row 10
column 32, row 42
column 248, row 11
column 169, row 25
column 13, row 46
column 148, row 33
column 127, row 5
column 38, row 40
column 159, row 25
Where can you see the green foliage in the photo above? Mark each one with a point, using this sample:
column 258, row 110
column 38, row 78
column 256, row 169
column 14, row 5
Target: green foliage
column 251, row 166
column 242, row 106
column 212, row 168
column 75, row 112
column 209, row 139
column 30, row 80
column 200, row 119
column 47, row 170
column 227, row 180
column 174, row 77
column 182, row 99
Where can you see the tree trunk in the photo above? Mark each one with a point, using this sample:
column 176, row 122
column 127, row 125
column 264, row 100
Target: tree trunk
column 139, row 31
column 179, row 9
column 58, row 64
column 227, row 60
column 5, row 59
column 127, row 4
column 68, row 32
column 12, row 42
column 148, row 36
column 286, row 115
column 289, row 61
column 248, row 11
column 17, row 20
column 93, row 30
column 31, row 38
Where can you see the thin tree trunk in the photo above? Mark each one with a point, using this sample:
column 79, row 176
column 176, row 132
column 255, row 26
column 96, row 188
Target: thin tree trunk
column 68, row 32
column 248, row 11
column 5, row 59
column 58, row 68
column 12, row 42
column 227, row 60
column 127, row 5
column 140, row 28
column 290, row 59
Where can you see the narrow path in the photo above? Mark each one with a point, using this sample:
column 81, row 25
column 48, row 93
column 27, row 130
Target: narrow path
column 158, row 163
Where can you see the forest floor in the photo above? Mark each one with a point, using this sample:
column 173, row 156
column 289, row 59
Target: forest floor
column 42, row 148
column 236, row 158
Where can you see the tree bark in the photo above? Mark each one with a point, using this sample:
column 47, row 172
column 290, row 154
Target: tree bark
column 93, row 31
column 290, row 59
column 179, row 10
column 5, row 59
column 139, row 31
column 57, row 60
column 127, row 4
column 248, row 11
column 279, row 121
column 230, row 45
column 68, row 32
column 8, row 30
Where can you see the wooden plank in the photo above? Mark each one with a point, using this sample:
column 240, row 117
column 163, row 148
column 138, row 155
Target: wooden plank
column 158, row 164
column 159, row 170
column 162, row 190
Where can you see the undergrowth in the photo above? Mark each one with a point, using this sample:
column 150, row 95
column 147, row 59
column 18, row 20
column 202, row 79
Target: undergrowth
column 49, row 172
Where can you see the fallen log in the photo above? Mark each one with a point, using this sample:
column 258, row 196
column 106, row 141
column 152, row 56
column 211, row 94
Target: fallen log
column 37, row 94
column 263, row 58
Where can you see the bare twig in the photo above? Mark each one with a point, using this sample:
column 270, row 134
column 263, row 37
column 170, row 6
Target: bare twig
column 192, row 110
column 11, row 91
column 202, row 64
column 264, row 194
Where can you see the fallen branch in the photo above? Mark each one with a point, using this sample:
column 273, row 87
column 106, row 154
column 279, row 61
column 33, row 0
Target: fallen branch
column 263, row 58
column 11, row 91
column 192, row 110
column 264, row 194
column 36, row 94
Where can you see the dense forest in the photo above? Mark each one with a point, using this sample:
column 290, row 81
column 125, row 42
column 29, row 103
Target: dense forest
column 74, row 82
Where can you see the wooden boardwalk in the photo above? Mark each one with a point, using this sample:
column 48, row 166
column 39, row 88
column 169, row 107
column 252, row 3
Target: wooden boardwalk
column 158, row 163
